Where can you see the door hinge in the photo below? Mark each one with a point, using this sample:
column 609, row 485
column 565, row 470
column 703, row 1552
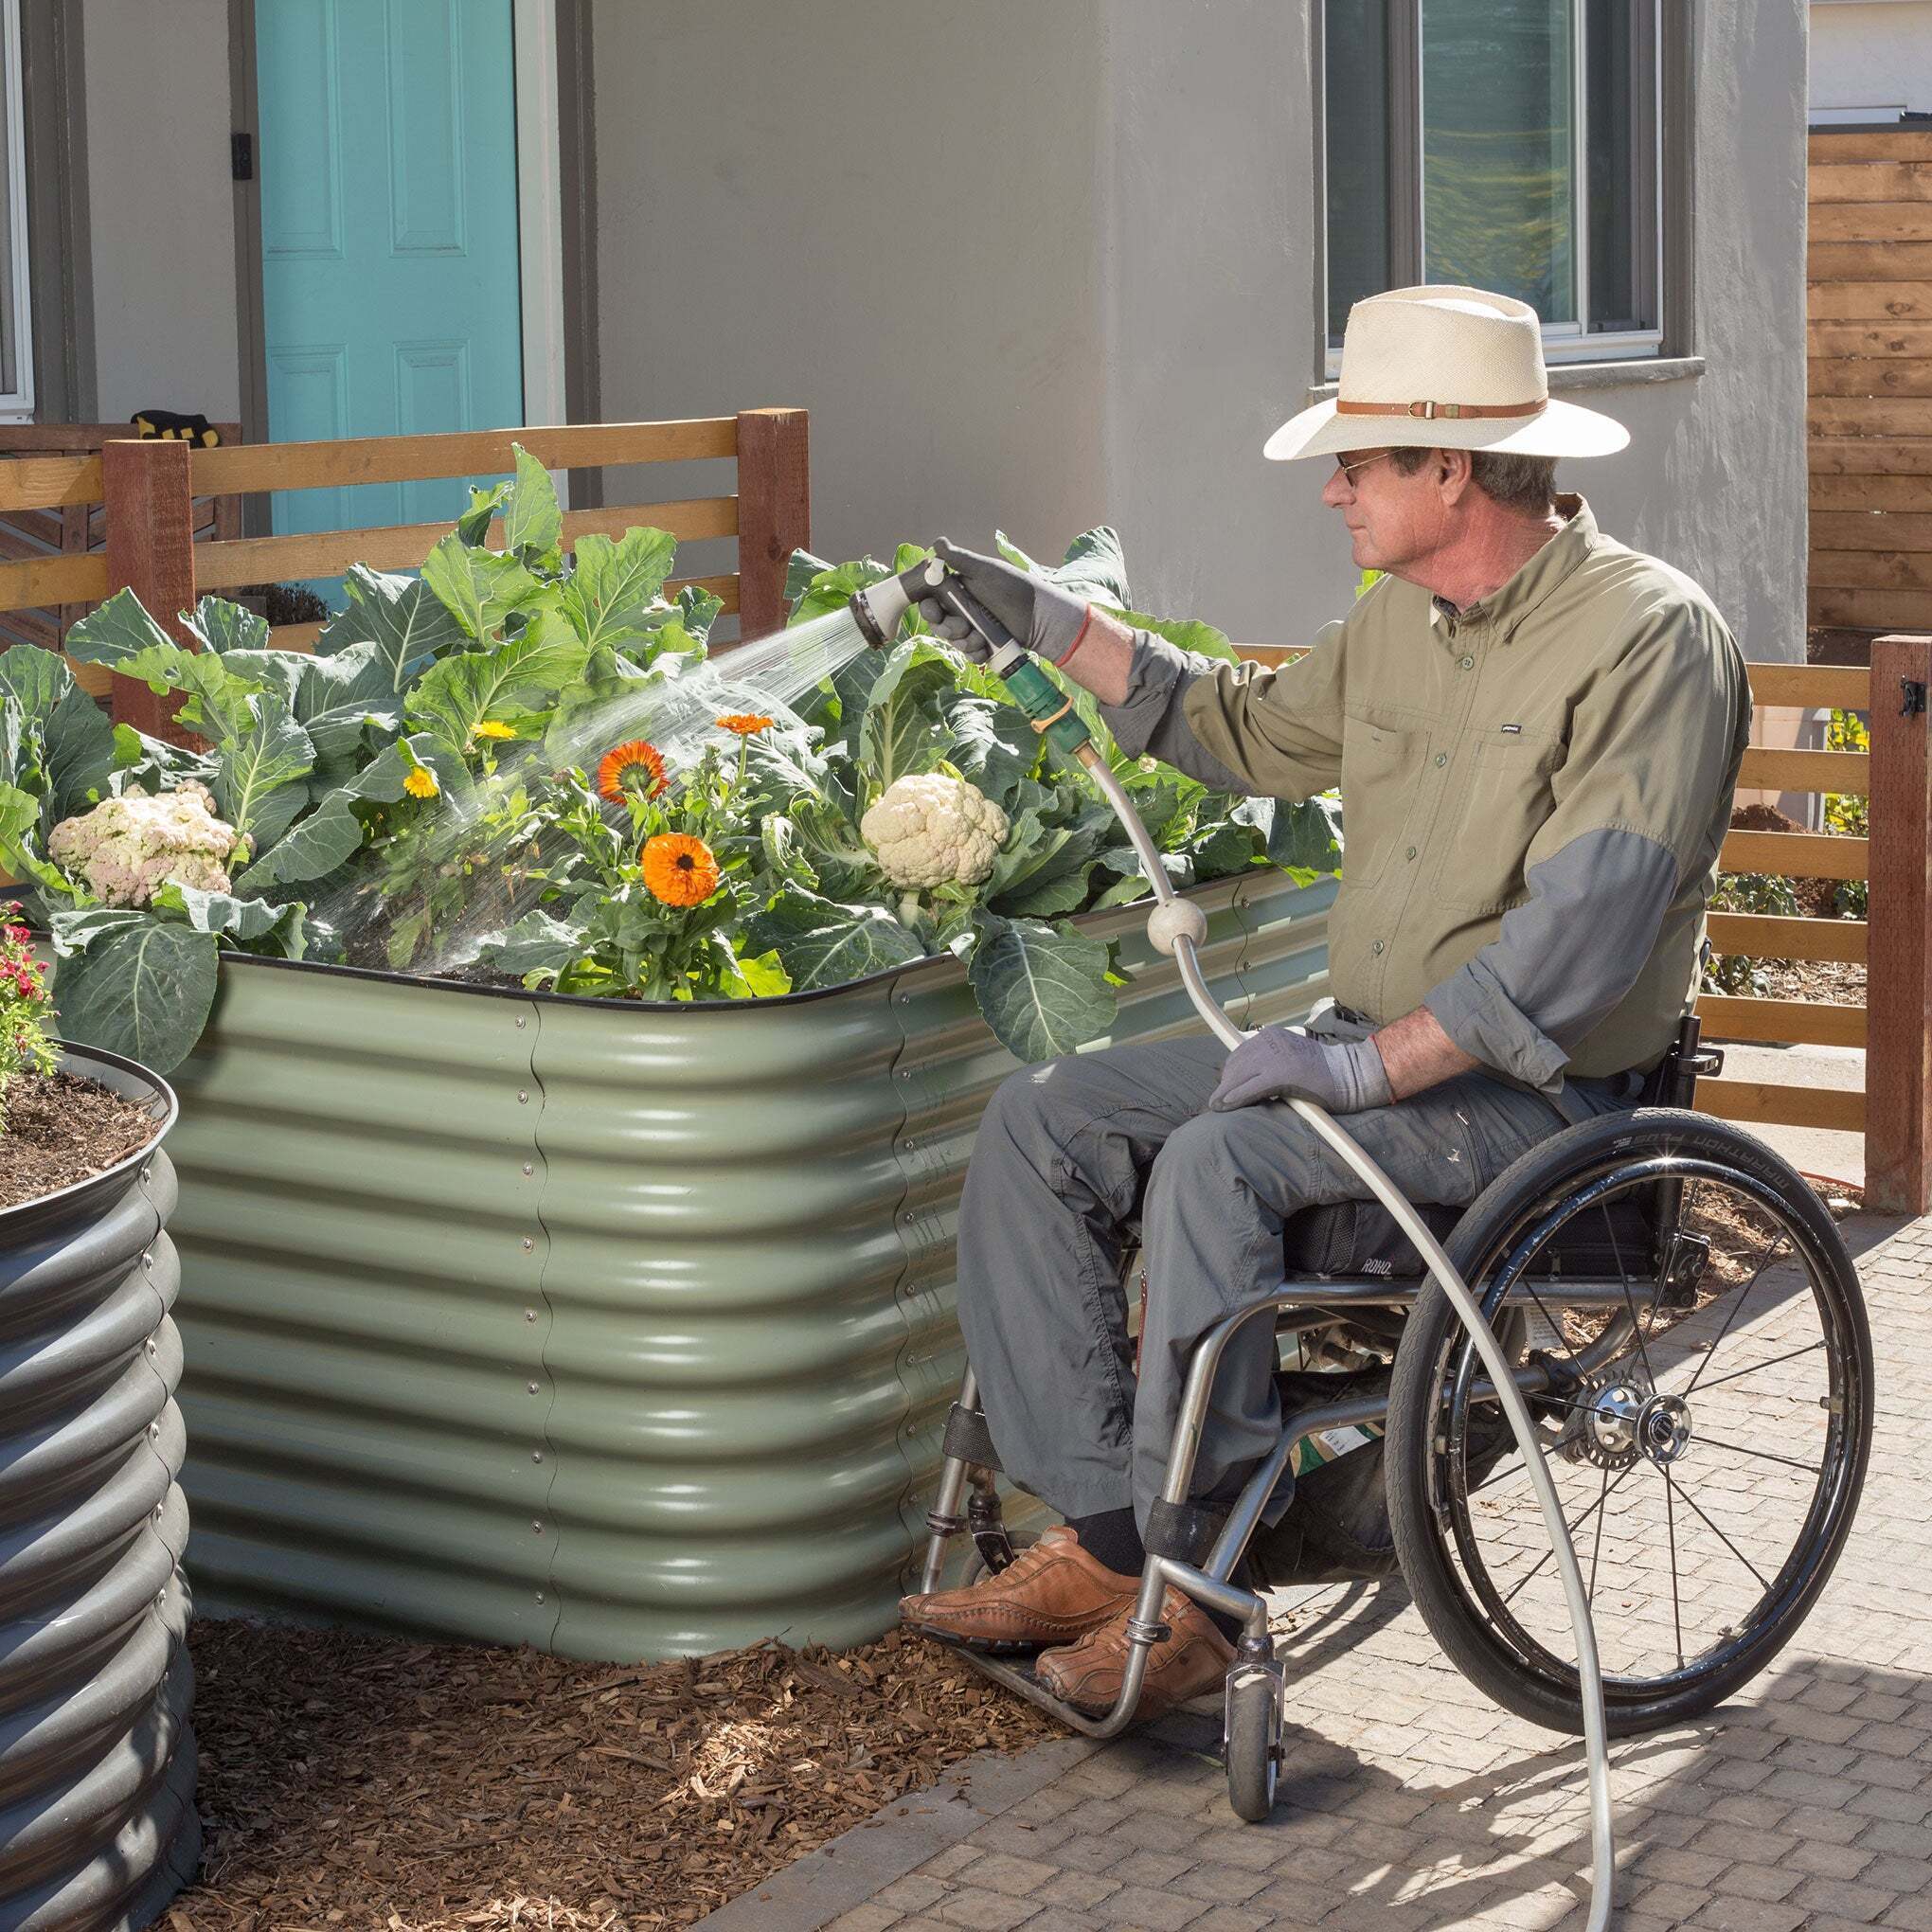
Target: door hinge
column 1912, row 698
column 242, row 155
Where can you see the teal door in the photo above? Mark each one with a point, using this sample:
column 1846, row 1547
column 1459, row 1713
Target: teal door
column 392, row 301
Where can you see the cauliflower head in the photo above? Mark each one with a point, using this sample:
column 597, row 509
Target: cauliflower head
column 125, row 848
column 931, row 830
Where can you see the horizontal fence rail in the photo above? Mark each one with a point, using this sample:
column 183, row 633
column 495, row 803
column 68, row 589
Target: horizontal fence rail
column 146, row 491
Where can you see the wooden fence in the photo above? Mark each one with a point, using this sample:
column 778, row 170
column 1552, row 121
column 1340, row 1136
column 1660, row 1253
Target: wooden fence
column 148, row 493
column 1870, row 415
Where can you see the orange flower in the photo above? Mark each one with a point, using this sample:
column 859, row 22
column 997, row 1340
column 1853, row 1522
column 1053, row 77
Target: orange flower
column 678, row 868
column 746, row 724
column 619, row 766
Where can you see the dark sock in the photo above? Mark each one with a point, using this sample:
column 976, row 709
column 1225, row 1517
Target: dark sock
column 1112, row 1538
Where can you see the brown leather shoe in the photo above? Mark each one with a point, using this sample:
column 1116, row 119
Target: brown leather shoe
column 1087, row 1674
column 1052, row 1593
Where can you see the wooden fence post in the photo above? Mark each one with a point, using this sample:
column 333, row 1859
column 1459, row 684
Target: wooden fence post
column 774, row 513
column 147, row 501
column 1897, row 1059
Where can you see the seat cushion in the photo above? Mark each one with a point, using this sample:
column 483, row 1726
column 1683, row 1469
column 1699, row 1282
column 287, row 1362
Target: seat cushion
column 1361, row 1238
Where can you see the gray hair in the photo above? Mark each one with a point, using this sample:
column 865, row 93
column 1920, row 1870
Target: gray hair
column 1525, row 483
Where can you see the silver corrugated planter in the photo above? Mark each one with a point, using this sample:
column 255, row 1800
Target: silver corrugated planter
column 98, row 1823
column 623, row 1331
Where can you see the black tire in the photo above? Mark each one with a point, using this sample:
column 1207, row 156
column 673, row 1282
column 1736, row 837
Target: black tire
column 1253, row 1742
column 1440, row 1532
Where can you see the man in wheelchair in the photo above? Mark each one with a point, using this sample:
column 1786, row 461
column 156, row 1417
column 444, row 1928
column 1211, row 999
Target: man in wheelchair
column 1536, row 732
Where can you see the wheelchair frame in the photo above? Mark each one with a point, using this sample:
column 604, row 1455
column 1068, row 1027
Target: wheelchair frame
column 968, row 1459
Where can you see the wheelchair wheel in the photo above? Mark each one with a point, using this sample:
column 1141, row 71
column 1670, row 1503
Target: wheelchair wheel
column 1251, row 1739
column 1706, row 1423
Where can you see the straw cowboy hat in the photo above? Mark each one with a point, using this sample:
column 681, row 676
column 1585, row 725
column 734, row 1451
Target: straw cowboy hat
column 1445, row 367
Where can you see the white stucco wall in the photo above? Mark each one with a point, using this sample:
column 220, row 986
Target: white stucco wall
column 161, row 207
column 1045, row 267
column 1874, row 54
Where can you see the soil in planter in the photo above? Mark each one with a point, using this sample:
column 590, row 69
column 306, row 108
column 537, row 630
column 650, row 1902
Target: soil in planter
column 62, row 1129
column 350, row 1780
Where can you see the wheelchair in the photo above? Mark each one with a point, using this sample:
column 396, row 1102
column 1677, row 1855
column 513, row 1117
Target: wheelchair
column 1686, row 1326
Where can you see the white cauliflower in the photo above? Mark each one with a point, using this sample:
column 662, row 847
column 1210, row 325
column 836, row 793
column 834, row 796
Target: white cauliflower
column 124, row 848
column 933, row 831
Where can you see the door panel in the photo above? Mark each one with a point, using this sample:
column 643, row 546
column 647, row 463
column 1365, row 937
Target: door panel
column 391, row 297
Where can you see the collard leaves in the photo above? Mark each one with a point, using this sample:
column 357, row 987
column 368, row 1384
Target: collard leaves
column 822, row 942
column 140, row 987
column 1043, row 988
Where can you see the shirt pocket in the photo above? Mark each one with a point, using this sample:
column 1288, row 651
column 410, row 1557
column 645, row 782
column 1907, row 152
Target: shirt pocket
column 1504, row 801
column 1383, row 757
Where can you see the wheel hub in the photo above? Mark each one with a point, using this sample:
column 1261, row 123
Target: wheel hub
column 1616, row 1419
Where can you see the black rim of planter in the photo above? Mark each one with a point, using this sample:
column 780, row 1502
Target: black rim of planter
column 132, row 1081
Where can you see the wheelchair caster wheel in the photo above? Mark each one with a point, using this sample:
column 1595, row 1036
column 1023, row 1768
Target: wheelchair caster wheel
column 1252, row 1736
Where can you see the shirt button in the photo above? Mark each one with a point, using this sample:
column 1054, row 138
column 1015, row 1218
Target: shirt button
column 1465, row 662
column 1376, row 947
column 1411, row 851
column 1442, row 757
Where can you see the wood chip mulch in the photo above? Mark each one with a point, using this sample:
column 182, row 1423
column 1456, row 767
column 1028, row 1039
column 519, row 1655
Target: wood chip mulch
column 367, row 1782
column 62, row 1129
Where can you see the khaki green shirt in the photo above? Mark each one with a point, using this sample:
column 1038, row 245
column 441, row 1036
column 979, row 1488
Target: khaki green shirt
column 1534, row 790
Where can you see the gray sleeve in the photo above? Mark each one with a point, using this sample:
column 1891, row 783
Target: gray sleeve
column 1150, row 722
column 1563, row 958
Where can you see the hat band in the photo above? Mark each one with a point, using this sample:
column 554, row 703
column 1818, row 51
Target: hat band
column 1432, row 410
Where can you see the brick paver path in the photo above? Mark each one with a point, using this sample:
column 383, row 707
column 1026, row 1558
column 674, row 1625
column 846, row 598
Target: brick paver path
column 1411, row 1801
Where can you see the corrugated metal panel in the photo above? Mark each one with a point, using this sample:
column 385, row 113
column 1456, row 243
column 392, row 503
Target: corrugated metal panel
column 97, row 1825
column 617, row 1329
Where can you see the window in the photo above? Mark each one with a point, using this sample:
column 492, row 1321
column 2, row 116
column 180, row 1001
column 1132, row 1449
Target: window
column 1506, row 144
column 16, row 331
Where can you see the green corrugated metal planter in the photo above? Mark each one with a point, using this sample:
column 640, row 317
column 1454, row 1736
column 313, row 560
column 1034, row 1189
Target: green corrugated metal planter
column 621, row 1331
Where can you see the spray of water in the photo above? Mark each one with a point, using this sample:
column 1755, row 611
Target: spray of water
column 676, row 714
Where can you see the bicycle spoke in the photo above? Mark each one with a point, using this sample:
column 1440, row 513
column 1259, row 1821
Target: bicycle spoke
column 1629, row 1300
column 1671, row 1485
column 1744, row 1293
column 1762, row 1455
column 1609, row 1490
column 1737, row 1375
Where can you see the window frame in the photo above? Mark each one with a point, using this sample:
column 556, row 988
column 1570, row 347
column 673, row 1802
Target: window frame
column 1562, row 342
column 17, row 404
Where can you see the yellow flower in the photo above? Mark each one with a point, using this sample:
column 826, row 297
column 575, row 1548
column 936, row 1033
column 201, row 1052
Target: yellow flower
column 489, row 727
column 421, row 784
column 746, row 724
column 678, row 868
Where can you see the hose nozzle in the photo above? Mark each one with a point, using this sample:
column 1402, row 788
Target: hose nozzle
column 879, row 607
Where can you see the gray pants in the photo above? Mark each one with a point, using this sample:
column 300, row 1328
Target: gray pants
column 1070, row 1149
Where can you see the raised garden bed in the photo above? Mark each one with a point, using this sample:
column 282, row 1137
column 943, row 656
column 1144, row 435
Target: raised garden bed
column 97, row 1759
column 622, row 1331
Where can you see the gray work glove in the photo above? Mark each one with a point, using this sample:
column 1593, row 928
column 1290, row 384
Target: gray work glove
column 1042, row 616
column 1282, row 1063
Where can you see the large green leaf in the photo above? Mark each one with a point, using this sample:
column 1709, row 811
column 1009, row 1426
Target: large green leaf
column 612, row 587
column 456, row 693
column 225, row 625
column 141, row 990
column 1306, row 837
column 995, row 746
column 256, row 775
column 1190, row 633
column 246, row 923
column 1052, row 871
column 329, row 837
column 903, row 730
column 533, row 523
column 409, row 624
column 479, row 588
column 823, row 944
column 76, row 736
column 1093, row 570
column 537, row 943
column 486, row 506
column 830, row 587
column 1041, row 989
column 122, row 636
